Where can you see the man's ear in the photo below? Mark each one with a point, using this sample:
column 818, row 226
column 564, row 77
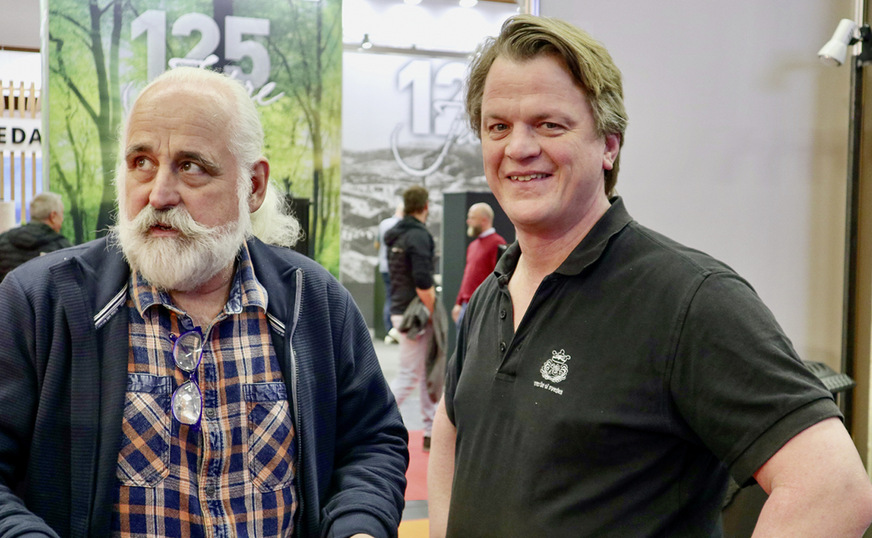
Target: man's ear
column 52, row 220
column 612, row 147
column 259, row 182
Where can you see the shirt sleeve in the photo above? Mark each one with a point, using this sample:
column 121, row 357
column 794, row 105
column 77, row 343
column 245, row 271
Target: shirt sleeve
column 736, row 379
column 453, row 367
column 420, row 254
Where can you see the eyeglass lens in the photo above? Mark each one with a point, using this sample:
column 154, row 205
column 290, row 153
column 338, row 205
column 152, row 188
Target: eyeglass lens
column 187, row 400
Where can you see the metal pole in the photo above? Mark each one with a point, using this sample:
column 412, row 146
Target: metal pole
column 855, row 139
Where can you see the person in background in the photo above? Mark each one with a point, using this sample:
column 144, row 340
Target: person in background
column 411, row 253
column 181, row 377
column 40, row 235
column 392, row 336
column 481, row 254
column 607, row 380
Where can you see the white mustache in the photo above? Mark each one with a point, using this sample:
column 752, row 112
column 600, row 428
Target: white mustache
column 176, row 218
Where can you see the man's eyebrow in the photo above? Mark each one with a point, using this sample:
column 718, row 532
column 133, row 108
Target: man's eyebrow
column 138, row 148
column 211, row 166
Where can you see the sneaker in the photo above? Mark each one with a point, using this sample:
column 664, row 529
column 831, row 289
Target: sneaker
column 395, row 335
column 426, row 443
column 389, row 340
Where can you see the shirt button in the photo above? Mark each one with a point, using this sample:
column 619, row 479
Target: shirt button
column 502, row 346
column 210, row 490
column 503, row 313
column 211, row 412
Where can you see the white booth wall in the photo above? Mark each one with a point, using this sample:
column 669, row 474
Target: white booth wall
column 737, row 142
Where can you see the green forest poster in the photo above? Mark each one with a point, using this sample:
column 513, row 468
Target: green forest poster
column 287, row 52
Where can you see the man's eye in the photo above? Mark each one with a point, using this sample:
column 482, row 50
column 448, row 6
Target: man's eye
column 141, row 163
column 191, row 167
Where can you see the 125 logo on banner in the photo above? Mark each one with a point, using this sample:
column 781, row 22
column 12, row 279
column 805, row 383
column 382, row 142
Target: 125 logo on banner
column 153, row 23
column 449, row 121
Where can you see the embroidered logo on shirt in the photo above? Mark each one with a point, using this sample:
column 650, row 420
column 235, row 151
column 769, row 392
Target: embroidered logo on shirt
column 555, row 368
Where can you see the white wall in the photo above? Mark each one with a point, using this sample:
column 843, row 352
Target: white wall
column 737, row 143
column 18, row 66
column 440, row 25
column 19, row 24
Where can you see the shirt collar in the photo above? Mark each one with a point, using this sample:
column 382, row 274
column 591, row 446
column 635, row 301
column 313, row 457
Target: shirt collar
column 245, row 291
column 487, row 232
column 585, row 253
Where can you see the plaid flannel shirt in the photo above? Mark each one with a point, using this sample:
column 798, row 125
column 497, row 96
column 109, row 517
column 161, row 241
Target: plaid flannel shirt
column 235, row 475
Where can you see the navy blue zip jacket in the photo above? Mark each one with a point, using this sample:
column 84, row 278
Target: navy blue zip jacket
column 63, row 369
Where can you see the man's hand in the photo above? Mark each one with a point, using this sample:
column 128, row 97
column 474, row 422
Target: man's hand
column 455, row 312
column 428, row 297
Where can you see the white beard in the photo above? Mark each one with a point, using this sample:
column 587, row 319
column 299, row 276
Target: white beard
column 184, row 262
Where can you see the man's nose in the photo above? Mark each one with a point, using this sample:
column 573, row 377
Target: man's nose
column 522, row 144
column 164, row 189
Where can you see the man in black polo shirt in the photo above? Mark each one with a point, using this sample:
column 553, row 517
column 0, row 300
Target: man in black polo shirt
column 607, row 380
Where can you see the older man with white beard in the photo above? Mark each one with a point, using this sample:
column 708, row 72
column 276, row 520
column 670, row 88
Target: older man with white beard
column 181, row 377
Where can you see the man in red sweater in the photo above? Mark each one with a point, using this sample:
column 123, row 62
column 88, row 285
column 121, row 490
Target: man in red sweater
column 481, row 254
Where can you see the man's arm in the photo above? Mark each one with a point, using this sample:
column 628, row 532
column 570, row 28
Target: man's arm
column 817, row 486
column 371, row 443
column 428, row 297
column 18, row 400
column 440, row 471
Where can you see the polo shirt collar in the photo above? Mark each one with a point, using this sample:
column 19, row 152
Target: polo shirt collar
column 588, row 250
column 246, row 291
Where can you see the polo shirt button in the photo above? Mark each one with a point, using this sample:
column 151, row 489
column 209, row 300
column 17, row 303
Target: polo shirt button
column 211, row 412
column 502, row 346
column 503, row 313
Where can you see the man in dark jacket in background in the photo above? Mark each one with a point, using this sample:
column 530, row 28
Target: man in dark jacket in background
column 40, row 235
column 410, row 264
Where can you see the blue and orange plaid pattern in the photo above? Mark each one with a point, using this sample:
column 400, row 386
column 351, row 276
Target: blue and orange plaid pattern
column 235, row 475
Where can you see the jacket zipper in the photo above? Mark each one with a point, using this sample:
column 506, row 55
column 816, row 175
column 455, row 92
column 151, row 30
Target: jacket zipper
column 298, row 419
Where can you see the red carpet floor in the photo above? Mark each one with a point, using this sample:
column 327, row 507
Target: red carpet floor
column 416, row 476
column 415, row 525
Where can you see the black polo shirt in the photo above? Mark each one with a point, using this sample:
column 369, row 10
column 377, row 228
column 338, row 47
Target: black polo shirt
column 642, row 373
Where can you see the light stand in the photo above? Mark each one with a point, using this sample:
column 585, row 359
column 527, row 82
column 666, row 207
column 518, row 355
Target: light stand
column 855, row 131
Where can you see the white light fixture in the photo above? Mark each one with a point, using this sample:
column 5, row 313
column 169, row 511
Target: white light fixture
column 412, row 2
column 366, row 44
column 468, row 3
column 836, row 49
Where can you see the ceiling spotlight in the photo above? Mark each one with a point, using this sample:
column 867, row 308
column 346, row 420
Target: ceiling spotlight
column 835, row 50
column 366, row 44
column 468, row 3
